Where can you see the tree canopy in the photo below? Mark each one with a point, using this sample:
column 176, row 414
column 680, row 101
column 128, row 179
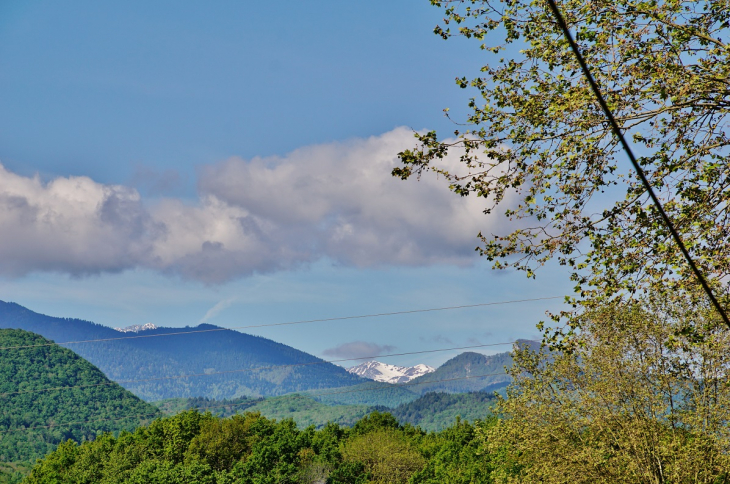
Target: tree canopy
column 537, row 145
column 638, row 402
column 635, row 388
column 201, row 448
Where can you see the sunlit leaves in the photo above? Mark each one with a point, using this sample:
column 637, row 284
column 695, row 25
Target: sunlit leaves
column 538, row 144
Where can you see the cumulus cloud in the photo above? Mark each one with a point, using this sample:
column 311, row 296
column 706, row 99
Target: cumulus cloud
column 72, row 225
column 358, row 349
column 334, row 200
column 339, row 200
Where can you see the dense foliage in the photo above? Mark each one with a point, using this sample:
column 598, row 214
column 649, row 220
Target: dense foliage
column 98, row 400
column 436, row 411
column 638, row 401
column 202, row 448
column 227, row 360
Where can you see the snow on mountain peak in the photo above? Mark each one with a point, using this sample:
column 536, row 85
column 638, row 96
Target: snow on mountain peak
column 383, row 372
column 136, row 328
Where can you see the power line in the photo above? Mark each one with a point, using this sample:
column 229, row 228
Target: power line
column 243, row 370
column 289, row 323
column 617, row 132
column 141, row 416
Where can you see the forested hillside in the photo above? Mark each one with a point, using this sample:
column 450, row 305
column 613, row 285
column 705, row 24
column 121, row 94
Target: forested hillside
column 199, row 448
column 437, row 411
column 430, row 412
column 207, row 353
column 31, row 423
column 465, row 373
column 367, row 393
column 221, row 408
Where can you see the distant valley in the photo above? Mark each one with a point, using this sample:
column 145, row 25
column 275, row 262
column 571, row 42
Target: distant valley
column 431, row 412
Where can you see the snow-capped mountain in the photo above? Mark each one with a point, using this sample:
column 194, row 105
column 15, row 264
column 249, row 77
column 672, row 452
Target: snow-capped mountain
column 136, row 328
column 375, row 370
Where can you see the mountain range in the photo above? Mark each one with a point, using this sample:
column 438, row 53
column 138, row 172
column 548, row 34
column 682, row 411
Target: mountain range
column 220, row 364
column 384, row 372
column 467, row 372
column 226, row 363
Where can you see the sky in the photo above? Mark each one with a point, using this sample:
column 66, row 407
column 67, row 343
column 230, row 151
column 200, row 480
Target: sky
column 229, row 163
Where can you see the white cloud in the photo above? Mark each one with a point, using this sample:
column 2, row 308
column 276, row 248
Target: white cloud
column 339, row 200
column 72, row 225
column 334, row 200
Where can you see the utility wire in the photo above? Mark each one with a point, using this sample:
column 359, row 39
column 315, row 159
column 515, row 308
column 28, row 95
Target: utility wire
column 629, row 152
column 142, row 416
column 289, row 323
column 243, row 370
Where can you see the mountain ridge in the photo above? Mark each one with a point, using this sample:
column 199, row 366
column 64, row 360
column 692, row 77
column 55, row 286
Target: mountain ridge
column 229, row 364
column 387, row 373
column 466, row 372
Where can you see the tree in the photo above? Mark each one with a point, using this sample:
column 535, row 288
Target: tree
column 637, row 402
column 223, row 442
column 454, row 456
column 386, row 455
column 537, row 144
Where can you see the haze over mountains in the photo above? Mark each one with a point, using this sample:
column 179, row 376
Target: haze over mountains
column 227, row 363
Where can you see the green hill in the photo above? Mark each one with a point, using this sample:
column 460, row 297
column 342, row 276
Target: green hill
column 431, row 412
column 221, row 408
column 368, row 393
column 466, row 373
column 436, row 411
column 306, row 411
column 24, row 413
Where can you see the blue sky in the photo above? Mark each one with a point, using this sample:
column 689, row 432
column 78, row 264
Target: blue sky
column 228, row 162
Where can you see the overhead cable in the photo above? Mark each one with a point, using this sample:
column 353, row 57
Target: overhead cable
column 142, row 416
column 617, row 132
column 244, row 370
column 289, row 323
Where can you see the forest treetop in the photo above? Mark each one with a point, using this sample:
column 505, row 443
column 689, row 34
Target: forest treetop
column 537, row 144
